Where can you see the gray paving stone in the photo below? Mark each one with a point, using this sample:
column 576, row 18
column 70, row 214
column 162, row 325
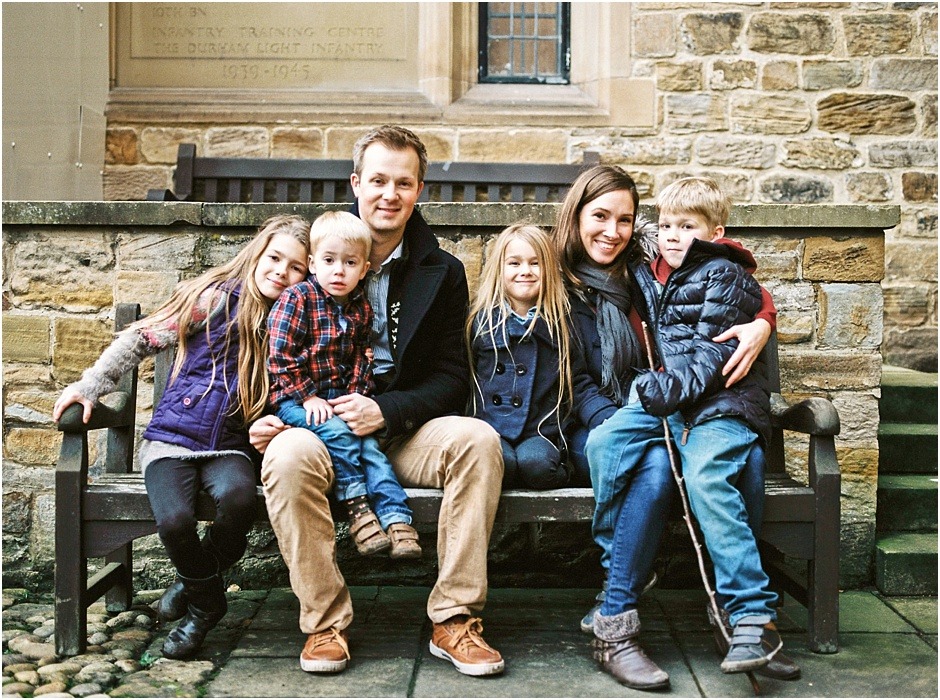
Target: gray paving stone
column 860, row 611
column 920, row 612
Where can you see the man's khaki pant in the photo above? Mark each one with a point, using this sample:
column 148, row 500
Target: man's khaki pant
column 460, row 455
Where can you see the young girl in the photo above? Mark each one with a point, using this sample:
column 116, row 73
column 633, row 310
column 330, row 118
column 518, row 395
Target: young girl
column 517, row 334
column 198, row 438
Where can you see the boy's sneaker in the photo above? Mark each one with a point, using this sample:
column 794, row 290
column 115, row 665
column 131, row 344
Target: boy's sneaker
column 754, row 642
column 325, row 652
column 460, row 641
column 781, row 667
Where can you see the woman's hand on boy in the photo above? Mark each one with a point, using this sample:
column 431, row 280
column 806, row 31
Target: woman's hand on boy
column 263, row 430
column 70, row 396
column 362, row 414
column 752, row 337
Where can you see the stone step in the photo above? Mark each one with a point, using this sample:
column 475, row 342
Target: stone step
column 908, row 396
column 907, row 448
column 906, row 563
column 907, row 503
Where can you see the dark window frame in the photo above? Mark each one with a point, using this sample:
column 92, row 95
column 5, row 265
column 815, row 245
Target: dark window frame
column 563, row 74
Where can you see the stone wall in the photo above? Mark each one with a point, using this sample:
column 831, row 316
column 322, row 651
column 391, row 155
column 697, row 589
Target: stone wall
column 67, row 263
column 782, row 102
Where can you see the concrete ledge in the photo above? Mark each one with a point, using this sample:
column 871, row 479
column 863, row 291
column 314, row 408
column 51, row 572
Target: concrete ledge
column 485, row 214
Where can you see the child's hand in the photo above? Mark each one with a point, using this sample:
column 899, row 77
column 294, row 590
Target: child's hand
column 70, row 396
column 318, row 410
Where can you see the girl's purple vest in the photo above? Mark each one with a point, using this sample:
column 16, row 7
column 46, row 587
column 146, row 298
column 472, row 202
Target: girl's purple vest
column 197, row 410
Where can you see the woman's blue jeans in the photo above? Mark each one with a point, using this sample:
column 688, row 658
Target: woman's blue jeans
column 533, row 463
column 360, row 467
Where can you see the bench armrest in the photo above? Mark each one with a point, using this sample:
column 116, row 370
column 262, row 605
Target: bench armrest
column 113, row 410
column 814, row 416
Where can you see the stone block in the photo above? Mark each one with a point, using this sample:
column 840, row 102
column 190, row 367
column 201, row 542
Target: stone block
column 814, row 370
column 780, row 75
column 297, row 142
column 16, row 512
column 915, row 348
column 126, row 183
column 26, row 375
column 514, row 145
column 161, row 144
column 912, row 260
column 797, row 189
column 733, row 151
column 29, row 405
column 469, row 251
column 929, row 114
column 868, row 187
column 78, row 342
column 120, row 146
column 769, row 114
column 925, row 223
column 903, row 154
column 844, row 259
column 238, row 142
column 858, row 415
column 149, row 289
column 905, row 74
column 731, row 75
column 820, row 154
column 865, row 113
column 33, row 446
column 66, row 271
column 850, row 316
column 654, row 35
column 906, row 305
column 801, row 34
column 877, row 34
column 919, row 187
column 156, row 252
column 831, row 75
column 696, row 112
column 796, row 310
column 25, row 338
column 711, row 33
column 678, row 77
column 928, row 33
column 665, row 151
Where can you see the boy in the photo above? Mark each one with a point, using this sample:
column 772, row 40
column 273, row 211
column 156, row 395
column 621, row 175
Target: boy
column 319, row 333
column 696, row 288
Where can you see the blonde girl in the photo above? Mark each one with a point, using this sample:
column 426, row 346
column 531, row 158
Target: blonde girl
column 520, row 356
column 197, row 438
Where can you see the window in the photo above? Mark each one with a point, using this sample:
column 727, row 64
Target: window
column 525, row 42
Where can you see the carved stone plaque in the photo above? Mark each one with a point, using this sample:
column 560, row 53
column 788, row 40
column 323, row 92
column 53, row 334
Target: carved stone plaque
column 267, row 45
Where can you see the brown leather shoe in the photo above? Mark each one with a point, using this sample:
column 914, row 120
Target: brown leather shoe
column 325, row 652
column 617, row 650
column 781, row 667
column 460, row 641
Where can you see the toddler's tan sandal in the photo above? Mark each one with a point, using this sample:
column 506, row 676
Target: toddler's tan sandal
column 404, row 541
column 367, row 534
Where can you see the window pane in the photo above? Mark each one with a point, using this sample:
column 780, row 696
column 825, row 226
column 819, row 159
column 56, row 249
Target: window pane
column 524, row 42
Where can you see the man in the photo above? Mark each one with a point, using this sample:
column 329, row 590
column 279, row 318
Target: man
column 419, row 297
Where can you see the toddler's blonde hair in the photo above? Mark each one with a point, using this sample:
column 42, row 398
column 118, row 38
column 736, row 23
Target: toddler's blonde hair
column 349, row 228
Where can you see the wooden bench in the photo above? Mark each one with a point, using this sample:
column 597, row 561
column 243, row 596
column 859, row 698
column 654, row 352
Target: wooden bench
column 101, row 517
column 202, row 179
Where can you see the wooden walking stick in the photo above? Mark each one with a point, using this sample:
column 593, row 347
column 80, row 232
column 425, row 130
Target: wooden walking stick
column 687, row 516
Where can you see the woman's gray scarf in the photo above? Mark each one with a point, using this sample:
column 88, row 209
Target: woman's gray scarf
column 620, row 348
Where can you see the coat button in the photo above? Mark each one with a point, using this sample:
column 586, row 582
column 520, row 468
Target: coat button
column 500, row 368
column 497, row 400
column 516, row 401
column 409, row 424
column 520, row 370
column 187, row 401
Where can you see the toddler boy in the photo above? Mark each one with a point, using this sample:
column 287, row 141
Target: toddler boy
column 319, row 331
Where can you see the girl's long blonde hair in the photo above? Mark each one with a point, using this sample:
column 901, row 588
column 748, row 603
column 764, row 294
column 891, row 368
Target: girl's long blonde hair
column 251, row 314
column 492, row 309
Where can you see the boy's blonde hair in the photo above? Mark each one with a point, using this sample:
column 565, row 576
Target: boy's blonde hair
column 251, row 314
column 349, row 228
column 696, row 195
column 492, row 309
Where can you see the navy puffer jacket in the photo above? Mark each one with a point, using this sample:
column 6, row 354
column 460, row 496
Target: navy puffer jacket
column 710, row 292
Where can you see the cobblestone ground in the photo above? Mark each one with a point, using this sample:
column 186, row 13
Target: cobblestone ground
column 123, row 658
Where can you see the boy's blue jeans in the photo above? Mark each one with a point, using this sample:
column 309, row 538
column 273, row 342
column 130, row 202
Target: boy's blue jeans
column 359, row 466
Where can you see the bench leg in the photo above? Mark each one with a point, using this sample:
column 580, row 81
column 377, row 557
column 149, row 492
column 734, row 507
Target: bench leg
column 823, row 607
column 121, row 596
column 71, row 567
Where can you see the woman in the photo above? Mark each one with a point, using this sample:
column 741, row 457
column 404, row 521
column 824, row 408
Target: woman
column 597, row 235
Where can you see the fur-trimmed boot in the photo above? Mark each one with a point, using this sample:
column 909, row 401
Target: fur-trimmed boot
column 618, row 651
column 207, row 605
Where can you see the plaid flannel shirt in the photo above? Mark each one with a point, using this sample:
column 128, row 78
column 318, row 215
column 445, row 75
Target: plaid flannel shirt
column 310, row 353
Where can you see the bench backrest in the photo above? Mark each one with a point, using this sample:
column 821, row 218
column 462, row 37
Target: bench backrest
column 201, row 179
